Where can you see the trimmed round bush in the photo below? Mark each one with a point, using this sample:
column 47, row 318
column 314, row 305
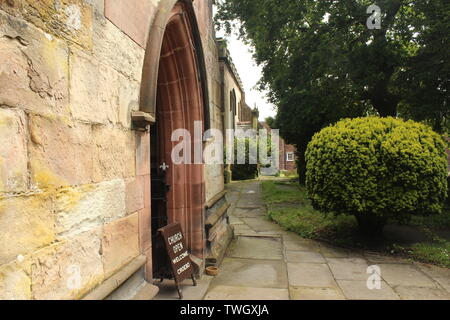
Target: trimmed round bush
column 377, row 169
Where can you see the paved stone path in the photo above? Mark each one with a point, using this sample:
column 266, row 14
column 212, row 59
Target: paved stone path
column 264, row 262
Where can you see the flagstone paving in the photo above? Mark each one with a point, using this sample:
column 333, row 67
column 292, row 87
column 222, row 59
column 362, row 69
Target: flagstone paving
column 264, row 262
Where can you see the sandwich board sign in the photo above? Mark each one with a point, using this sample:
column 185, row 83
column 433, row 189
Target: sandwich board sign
column 178, row 254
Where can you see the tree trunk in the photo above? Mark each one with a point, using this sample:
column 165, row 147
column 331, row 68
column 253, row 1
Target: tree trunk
column 383, row 101
column 371, row 226
column 301, row 165
column 301, row 169
column 385, row 106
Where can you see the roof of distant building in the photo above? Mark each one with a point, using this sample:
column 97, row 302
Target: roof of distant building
column 224, row 55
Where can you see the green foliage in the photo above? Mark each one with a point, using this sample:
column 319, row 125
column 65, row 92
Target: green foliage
column 270, row 121
column 319, row 70
column 448, row 192
column 377, row 169
column 249, row 170
column 437, row 253
column 291, row 208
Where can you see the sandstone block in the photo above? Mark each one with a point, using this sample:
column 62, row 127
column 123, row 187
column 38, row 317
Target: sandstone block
column 214, row 181
column 13, row 152
column 98, row 5
column 69, row 19
column 139, row 13
column 129, row 92
column 147, row 191
column 61, row 153
column 94, row 90
column 120, row 243
column 69, row 269
column 88, row 207
column 114, row 156
column 15, row 281
column 11, row 7
column 148, row 270
column 142, row 153
column 145, row 229
column 135, row 194
column 116, row 49
column 34, row 68
column 26, row 224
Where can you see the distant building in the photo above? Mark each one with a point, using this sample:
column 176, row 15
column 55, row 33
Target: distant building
column 287, row 156
column 231, row 88
column 248, row 118
column 287, row 153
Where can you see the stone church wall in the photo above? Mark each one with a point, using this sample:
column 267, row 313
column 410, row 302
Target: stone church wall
column 74, row 176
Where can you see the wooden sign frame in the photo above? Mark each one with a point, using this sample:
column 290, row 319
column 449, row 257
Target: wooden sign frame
column 178, row 254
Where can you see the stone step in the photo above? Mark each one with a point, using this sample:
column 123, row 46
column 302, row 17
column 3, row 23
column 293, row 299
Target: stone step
column 147, row 292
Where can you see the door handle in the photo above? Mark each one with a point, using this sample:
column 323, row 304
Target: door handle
column 164, row 167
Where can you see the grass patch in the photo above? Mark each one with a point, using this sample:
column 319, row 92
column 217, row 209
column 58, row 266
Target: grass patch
column 289, row 206
column 273, row 192
column 437, row 253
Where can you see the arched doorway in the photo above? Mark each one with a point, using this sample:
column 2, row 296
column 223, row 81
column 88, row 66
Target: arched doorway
column 178, row 193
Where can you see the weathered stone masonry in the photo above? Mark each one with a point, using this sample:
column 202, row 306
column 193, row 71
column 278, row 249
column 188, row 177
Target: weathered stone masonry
column 74, row 174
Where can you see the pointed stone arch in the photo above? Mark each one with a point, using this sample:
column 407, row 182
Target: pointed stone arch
column 174, row 91
column 155, row 37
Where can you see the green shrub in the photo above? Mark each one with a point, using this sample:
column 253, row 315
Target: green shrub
column 448, row 192
column 377, row 169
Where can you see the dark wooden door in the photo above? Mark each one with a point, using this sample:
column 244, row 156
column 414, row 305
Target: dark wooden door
column 159, row 189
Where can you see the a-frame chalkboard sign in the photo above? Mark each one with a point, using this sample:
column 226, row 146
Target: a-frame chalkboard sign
column 178, row 254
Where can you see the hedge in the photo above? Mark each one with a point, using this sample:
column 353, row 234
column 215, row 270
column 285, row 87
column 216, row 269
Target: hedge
column 377, row 169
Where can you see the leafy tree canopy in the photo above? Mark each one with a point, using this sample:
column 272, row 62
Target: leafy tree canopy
column 321, row 62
